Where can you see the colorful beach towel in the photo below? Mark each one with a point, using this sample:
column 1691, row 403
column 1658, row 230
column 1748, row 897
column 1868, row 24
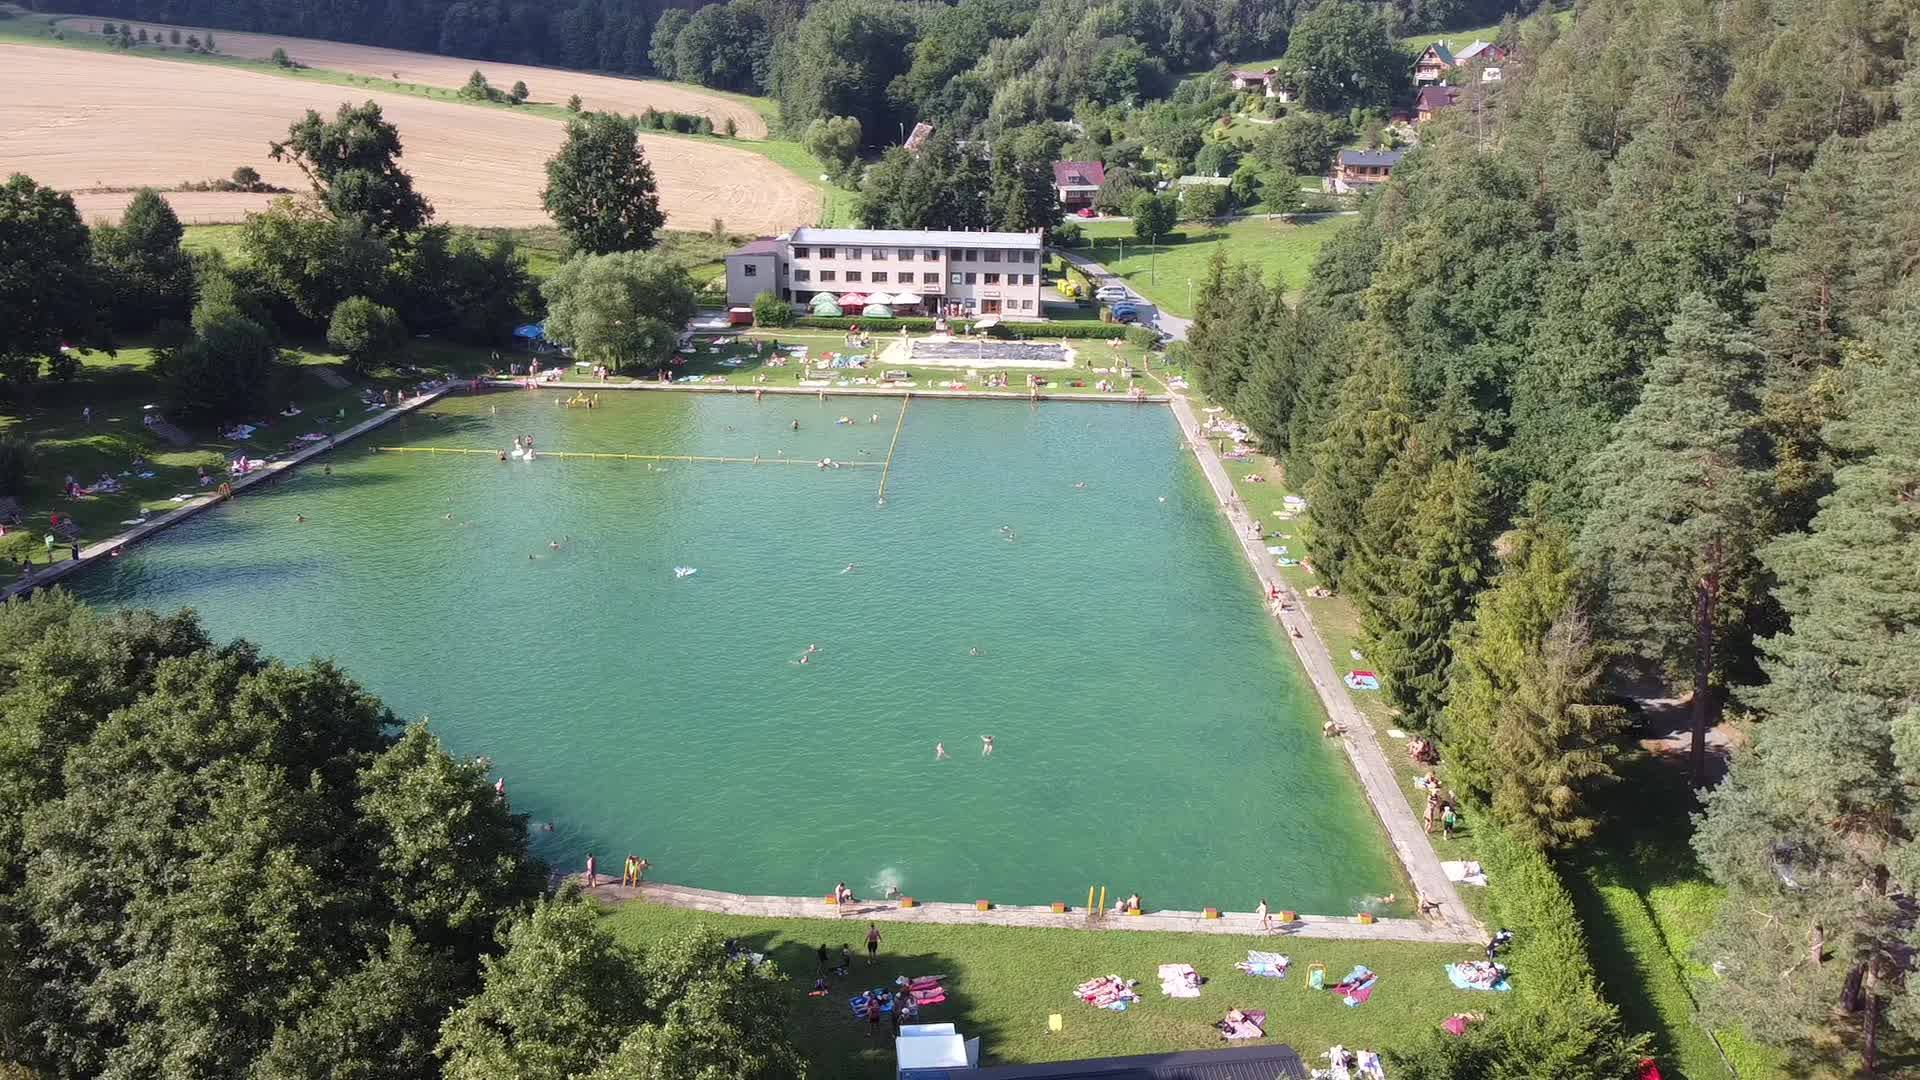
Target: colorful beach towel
column 1239, row 1024
column 1179, row 980
column 1357, row 986
column 1265, row 965
column 1362, row 680
column 1478, row 975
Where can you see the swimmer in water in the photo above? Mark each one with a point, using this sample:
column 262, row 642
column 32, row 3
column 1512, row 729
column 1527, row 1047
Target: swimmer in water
column 975, row 651
column 553, row 545
column 850, row 569
column 796, row 425
column 1080, row 485
column 939, row 751
column 548, row 827
column 449, row 516
column 811, row 649
column 1163, row 498
column 299, row 517
column 986, row 746
column 803, row 658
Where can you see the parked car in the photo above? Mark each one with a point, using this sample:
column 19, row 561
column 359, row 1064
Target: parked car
column 1111, row 294
column 1086, row 211
column 1126, row 313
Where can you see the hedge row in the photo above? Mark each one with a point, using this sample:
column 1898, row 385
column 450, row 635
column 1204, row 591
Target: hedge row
column 1555, row 1022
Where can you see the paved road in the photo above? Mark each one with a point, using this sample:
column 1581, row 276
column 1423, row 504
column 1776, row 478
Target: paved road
column 1172, row 325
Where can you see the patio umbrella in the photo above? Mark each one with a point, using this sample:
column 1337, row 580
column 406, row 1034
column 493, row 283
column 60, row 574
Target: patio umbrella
column 906, row 299
column 853, row 300
column 876, row 311
column 825, row 304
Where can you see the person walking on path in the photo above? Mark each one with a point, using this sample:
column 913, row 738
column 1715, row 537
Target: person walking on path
column 873, row 944
column 593, row 867
column 1266, row 920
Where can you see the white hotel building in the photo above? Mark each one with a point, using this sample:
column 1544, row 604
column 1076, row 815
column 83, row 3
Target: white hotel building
column 958, row 273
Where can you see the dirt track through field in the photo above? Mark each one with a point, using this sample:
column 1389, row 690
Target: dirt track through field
column 552, row 85
column 77, row 120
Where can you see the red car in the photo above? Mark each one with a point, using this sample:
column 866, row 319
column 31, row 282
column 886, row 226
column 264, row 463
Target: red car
column 1086, row 211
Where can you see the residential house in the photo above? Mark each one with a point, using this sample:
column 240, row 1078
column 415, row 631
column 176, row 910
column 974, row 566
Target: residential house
column 1362, row 170
column 1077, row 182
column 1251, row 80
column 1269, row 82
column 1433, row 65
column 959, row 273
column 1431, row 99
column 1484, row 57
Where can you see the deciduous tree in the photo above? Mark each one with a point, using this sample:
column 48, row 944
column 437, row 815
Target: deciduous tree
column 48, row 290
column 600, row 189
column 366, row 333
column 621, row 309
column 353, row 162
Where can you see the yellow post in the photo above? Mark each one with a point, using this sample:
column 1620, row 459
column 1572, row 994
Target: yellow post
column 1089, row 898
column 1103, row 899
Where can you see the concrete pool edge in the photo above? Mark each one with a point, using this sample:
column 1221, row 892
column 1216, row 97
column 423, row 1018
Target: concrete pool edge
column 836, row 391
column 1326, row 927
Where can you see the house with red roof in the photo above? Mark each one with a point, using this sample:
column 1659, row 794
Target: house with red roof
column 1077, row 182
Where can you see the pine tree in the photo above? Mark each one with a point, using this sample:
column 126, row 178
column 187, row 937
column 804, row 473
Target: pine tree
column 1522, row 734
column 1679, row 508
column 1812, row 834
column 1369, row 423
column 1431, row 589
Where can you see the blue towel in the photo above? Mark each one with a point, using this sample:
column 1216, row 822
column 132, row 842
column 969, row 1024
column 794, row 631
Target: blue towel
column 1460, row 981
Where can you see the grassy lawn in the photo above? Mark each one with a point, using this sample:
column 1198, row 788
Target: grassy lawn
column 116, row 387
column 1005, row 981
column 1645, row 902
column 1162, row 272
column 708, row 363
column 836, row 205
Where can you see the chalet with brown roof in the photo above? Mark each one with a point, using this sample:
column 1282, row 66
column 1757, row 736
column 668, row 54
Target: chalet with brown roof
column 1363, row 170
column 1431, row 100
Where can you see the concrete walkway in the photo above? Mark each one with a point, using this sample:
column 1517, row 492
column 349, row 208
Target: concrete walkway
column 201, row 503
column 1370, row 763
column 833, row 391
column 1075, row 918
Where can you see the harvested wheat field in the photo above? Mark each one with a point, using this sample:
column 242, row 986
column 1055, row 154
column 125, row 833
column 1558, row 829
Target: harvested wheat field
column 84, row 120
column 553, row 85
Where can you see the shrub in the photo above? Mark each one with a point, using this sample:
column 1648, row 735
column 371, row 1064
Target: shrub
column 365, row 332
column 1554, row 1023
column 281, row 58
column 573, row 104
column 16, row 464
column 519, row 92
column 770, row 310
column 1068, row 234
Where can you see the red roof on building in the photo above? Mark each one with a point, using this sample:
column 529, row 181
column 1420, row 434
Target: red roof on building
column 1434, row 98
column 1079, row 174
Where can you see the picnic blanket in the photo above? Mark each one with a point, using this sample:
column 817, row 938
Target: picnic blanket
column 1467, row 873
column 1109, row 992
column 1362, row 680
column 1239, row 1024
column 923, row 990
column 1357, row 986
column 1179, row 980
column 1478, row 975
column 1345, row 1064
column 1266, row 965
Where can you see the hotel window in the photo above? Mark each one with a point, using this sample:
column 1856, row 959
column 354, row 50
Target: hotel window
column 826, row 275
column 853, row 253
column 853, row 275
column 1026, row 279
column 933, row 254
column 990, row 279
column 802, row 275
column 826, row 253
column 956, row 277
column 953, row 254
column 1026, row 305
column 879, row 277
column 970, row 276
column 972, row 255
column 993, row 255
column 930, row 279
column 906, row 254
column 749, row 270
column 1026, row 256
column 799, row 253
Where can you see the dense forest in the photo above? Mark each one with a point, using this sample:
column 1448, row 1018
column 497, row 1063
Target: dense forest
column 944, row 53
column 1617, row 385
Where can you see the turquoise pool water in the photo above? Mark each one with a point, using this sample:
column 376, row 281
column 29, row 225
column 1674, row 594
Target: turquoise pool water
column 1151, row 733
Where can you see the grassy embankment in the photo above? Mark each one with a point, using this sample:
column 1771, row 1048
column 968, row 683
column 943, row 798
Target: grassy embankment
column 836, row 204
column 1642, row 898
column 1005, row 981
column 1162, row 272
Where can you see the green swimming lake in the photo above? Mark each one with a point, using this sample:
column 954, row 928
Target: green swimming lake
column 1152, row 734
